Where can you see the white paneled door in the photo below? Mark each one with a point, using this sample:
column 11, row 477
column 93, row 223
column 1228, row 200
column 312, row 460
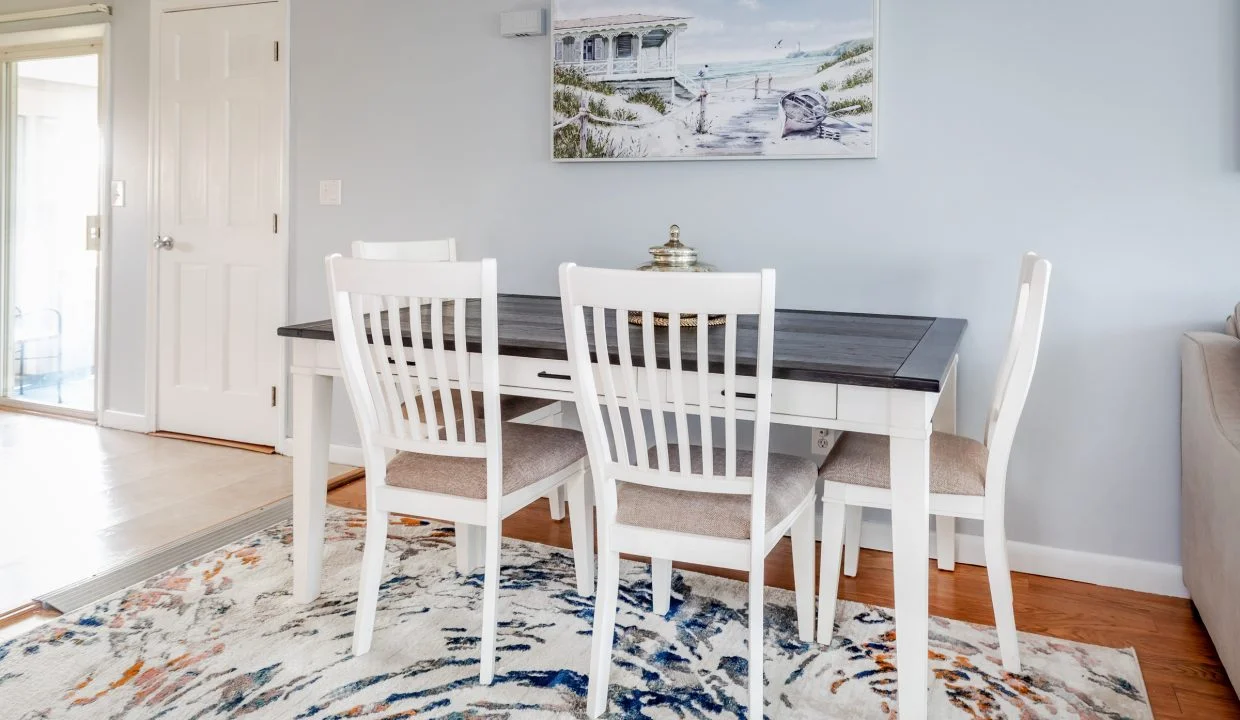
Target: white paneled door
column 221, row 262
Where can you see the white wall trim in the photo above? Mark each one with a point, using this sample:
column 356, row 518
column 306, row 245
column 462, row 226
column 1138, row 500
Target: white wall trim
column 103, row 268
column 338, row 454
column 284, row 232
column 133, row 422
column 345, row 455
column 1109, row 570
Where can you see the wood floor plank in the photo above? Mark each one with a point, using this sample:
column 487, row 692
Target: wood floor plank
column 1203, row 705
column 1182, row 672
column 87, row 498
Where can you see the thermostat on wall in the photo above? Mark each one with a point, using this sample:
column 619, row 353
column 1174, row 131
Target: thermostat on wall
column 523, row 23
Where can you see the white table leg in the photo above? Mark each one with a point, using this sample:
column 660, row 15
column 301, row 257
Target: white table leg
column 910, row 525
column 312, row 409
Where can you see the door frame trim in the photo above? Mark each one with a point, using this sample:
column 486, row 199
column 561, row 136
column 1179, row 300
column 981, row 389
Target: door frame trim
column 93, row 38
column 151, row 391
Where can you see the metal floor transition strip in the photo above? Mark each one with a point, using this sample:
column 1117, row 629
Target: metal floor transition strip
column 139, row 568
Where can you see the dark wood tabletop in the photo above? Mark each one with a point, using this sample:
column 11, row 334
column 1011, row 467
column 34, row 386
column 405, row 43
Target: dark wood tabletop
column 887, row 351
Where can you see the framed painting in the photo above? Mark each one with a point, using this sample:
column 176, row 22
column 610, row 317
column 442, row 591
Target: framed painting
column 713, row 79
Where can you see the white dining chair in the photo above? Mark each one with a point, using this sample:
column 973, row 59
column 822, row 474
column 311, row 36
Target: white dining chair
column 519, row 408
column 722, row 506
column 967, row 478
column 475, row 472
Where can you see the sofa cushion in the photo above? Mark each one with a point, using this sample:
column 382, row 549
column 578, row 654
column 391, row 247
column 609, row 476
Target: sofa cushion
column 1233, row 323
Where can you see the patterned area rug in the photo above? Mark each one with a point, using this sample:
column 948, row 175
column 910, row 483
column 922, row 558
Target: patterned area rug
column 220, row 637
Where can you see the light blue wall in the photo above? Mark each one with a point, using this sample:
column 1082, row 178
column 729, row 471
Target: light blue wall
column 1102, row 134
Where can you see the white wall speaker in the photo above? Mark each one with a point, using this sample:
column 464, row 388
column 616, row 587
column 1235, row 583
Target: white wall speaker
column 523, row 23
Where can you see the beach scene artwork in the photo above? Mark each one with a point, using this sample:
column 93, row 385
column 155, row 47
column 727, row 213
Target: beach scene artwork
column 710, row 79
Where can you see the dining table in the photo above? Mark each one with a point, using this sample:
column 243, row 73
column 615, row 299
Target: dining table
column 893, row 375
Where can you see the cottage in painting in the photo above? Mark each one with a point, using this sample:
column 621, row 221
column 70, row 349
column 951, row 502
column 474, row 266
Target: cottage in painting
column 631, row 52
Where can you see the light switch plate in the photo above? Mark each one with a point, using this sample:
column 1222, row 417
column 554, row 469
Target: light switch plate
column 94, row 231
column 118, row 193
column 329, row 192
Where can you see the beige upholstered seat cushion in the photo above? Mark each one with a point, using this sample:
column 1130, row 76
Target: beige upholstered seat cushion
column 510, row 406
column 531, row 453
column 788, row 480
column 957, row 464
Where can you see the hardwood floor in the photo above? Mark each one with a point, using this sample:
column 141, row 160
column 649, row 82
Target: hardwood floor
column 1182, row 671
column 76, row 499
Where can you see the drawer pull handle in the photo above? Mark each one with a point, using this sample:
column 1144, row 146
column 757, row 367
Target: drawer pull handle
column 553, row 376
column 742, row 395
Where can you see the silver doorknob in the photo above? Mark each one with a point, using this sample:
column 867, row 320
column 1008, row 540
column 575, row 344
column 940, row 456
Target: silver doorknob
column 163, row 242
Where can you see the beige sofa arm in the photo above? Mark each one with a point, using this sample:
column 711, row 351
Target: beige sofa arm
column 1210, row 486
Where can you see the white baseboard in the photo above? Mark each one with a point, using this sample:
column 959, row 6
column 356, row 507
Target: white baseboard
column 345, row 455
column 1095, row 568
column 338, row 454
column 133, row 422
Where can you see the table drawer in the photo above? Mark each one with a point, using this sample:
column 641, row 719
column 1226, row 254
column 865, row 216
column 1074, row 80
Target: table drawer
column 534, row 373
column 429, row 356
column 555, row 375
column 788, row 397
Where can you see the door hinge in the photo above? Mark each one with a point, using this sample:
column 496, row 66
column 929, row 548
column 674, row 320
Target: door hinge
column 276, row 51
column 273, row 396
column 275, row 222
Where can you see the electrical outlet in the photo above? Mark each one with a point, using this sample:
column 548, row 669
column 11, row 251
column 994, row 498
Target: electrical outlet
column 820, row 441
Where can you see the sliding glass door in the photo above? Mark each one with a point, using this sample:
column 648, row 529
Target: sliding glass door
column 51, row 229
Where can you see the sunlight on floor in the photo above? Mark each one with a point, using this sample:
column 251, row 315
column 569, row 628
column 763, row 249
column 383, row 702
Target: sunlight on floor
column 78, row 499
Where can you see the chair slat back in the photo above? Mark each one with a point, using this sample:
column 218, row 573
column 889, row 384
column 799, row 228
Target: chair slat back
column 1014, row 338
column 1014, row 388
column 391, row 319
column 411, row 250
column 667, row 370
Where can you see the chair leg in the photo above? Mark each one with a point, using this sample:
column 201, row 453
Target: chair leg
column 470, row 543
column 833, row 520
column 557, row 497
column 661, row 582
column 581, row 523
column 803, row 572
column 756, row 645
column 490, row 601
column 371, row 576
column 945, row 535
column 557, row 500
column 1000, row 574
column 604, row 631
column 852, row 540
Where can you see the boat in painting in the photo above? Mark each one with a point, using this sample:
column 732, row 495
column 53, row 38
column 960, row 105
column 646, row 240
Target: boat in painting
column 804, row 110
